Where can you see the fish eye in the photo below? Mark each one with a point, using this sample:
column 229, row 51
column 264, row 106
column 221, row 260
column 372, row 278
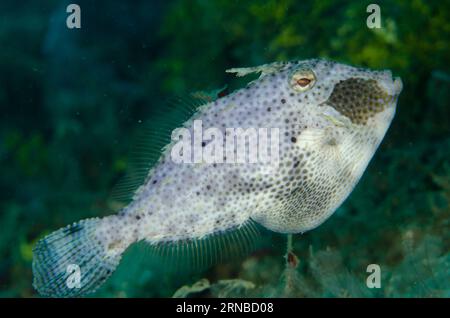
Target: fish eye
column 302, row 80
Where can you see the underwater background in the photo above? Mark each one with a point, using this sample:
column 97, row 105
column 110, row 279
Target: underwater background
column 72, row 100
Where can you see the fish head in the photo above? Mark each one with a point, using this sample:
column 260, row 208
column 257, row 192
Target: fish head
column 360, row 99
column 343, row 113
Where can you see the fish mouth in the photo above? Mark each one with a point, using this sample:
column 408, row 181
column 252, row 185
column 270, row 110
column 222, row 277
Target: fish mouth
column 398, row 86
column 390, row 84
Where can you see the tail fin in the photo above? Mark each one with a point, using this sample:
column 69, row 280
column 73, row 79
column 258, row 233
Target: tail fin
column 73, row 260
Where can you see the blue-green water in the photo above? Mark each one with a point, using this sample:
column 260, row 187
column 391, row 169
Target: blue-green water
column 72, row 99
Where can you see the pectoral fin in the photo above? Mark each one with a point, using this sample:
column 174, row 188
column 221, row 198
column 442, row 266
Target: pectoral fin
column 334, row 117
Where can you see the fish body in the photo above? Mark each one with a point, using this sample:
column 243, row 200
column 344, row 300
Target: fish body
column 326, row 121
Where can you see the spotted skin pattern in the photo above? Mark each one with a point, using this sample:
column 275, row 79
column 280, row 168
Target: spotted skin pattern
column 328, row 133
column 320, row 162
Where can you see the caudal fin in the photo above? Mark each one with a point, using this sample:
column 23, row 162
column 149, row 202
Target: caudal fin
column 73, row 260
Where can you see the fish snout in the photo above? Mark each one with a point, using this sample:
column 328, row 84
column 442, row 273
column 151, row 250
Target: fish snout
column 391, row 85
column 398, row 85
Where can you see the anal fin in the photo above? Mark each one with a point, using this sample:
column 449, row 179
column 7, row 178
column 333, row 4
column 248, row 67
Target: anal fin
column 200, row 254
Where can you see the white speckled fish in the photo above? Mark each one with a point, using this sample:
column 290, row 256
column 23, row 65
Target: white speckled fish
column 331, row 118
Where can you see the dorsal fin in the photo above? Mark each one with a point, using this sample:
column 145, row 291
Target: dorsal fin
column 148, row 146
column 263, row 69
column 210, row 95
column 199, row 254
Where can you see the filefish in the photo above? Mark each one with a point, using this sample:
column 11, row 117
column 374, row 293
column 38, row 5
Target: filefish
column 330, row 119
